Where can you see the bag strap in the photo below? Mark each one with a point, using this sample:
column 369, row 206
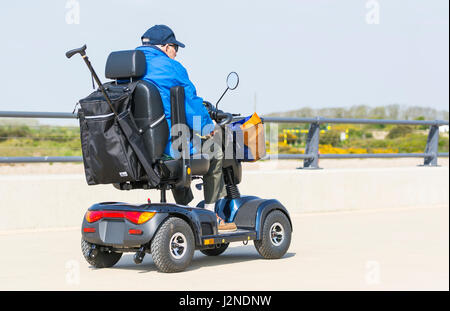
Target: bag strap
column 129, row 128
column 132, row 86
column 135, row 139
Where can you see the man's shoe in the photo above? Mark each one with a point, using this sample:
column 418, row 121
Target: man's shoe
column 223, row 226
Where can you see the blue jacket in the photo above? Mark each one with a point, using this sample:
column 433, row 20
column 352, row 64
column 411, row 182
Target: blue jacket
column 165, row 73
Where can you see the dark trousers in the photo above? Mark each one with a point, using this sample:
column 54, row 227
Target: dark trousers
column 213, row 183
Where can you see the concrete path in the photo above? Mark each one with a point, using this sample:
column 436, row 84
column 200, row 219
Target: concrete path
column 395, row 249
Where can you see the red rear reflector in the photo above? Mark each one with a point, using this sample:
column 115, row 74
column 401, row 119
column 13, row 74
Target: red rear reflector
column 135, row 231
column 89, row 230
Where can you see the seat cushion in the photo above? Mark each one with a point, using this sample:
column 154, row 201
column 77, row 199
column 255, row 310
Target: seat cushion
column 198, row 167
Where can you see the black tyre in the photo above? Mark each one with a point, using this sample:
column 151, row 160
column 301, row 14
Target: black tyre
column 173, row 245
column 215, row 251
column 101, row 259
column 276, row 236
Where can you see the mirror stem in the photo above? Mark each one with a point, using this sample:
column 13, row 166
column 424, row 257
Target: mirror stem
column 221, row 97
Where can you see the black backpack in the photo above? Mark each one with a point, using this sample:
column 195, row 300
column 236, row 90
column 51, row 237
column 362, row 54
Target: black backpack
column 112, row 145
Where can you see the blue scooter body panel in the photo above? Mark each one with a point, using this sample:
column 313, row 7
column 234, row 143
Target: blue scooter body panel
column 247, row 212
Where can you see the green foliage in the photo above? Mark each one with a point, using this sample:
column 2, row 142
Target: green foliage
column 399, row 131
column 402, row 139
column 10, row 131
column 22, row 140
column 421, row 127
column 29, row 140
column 413, row 143
column 443, row 144
column 330, row 138
column 355, row 133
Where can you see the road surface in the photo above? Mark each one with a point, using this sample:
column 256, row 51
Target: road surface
column 394, row 249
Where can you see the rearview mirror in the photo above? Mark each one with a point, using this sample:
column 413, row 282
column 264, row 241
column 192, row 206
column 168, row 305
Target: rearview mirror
column 232, row 80
column 232, row 83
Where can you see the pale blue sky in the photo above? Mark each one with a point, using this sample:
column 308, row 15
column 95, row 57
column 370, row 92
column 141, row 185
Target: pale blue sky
column 292, row 54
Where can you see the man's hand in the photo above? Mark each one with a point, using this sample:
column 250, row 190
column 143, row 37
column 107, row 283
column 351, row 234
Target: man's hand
column 205, row 137
column 208, row 105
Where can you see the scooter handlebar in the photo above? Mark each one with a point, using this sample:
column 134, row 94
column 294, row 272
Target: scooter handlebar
column 217, row 114
column 227, row 117
column 81, row 50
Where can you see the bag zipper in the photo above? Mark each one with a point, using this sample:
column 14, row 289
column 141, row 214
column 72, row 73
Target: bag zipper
column 100, row 116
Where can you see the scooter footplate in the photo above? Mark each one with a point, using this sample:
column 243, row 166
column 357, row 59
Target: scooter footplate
column 226, row 237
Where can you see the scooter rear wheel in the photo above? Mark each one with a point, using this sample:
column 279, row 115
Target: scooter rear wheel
column 101, row 259
column 276, row 236
column 173, row 245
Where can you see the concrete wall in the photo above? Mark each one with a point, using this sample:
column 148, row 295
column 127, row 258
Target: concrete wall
column 46, row 201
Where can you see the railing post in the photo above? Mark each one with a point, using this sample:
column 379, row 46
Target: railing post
column 432, row 146
column 312, row 146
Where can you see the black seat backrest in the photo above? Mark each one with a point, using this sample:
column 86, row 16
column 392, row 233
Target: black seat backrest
column 125, row 65
column 148, row 112
column 147, row 107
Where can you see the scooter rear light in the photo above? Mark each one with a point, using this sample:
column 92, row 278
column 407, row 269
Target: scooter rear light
column 113, row 214
column 93, row 216
column 137, row 218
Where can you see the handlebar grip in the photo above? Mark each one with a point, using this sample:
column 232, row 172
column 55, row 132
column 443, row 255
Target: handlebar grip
column 81, row 50
column 228, row 117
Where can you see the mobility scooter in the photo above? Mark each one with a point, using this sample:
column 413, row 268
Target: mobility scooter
column 169, row 232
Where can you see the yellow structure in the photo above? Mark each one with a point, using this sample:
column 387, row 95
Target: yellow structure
column 297, row 131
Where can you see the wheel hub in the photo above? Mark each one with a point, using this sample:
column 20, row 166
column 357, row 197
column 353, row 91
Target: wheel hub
column 178, row 245
column 276, row 234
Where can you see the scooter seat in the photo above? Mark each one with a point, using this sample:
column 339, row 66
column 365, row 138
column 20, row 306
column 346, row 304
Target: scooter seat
column 198, row 166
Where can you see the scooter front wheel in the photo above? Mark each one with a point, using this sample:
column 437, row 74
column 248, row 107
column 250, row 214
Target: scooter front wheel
column 276, row 236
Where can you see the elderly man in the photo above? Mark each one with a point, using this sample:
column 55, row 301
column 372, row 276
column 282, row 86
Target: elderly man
column 160, row 48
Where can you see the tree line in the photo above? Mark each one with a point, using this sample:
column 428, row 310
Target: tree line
column 391, row 112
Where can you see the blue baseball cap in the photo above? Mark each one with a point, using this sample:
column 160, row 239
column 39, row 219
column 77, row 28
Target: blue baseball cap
column 160, row 35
